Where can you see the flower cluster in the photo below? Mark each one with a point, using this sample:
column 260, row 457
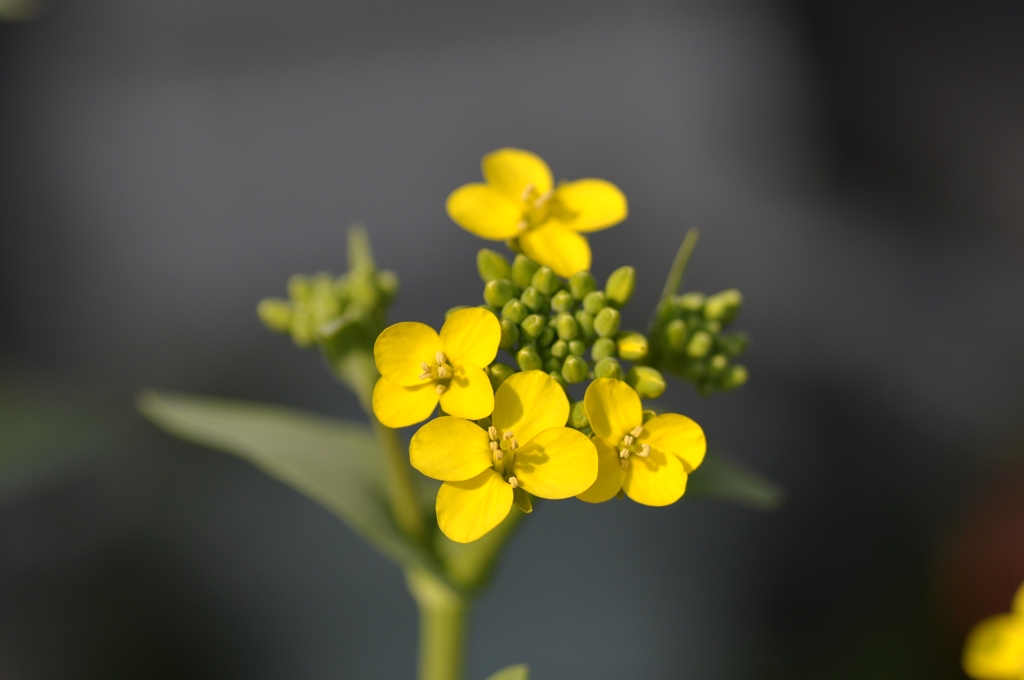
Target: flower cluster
column 506, row 433
column 995, row 647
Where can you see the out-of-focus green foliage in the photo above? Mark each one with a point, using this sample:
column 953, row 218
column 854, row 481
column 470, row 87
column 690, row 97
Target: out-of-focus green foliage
column 723, row 479
column 518, row 672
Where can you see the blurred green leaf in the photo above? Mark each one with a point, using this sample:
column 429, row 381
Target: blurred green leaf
column 721, row 478
column 335, row 463
column 517, row 672
column 469, row 565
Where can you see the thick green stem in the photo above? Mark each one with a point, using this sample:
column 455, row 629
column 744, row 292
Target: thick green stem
column 443, row 617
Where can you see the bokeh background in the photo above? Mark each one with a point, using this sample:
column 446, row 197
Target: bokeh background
column 856, row 168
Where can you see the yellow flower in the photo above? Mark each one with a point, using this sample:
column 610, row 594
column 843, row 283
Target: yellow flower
column 649, row 461
column 418, row 367
column 995, row 647
column 519, row 198
column 527, row 447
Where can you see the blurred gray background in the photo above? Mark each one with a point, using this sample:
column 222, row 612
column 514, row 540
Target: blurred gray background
column 857, row 169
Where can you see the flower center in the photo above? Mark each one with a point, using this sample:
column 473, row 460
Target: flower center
column 538, row 208
column 440, row 372
column 503, row 453
column 630, row 446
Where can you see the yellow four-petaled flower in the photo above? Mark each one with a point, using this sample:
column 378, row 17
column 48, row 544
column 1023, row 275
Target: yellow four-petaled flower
column 519, row 199
column 527, row 446
column 995, row 647
column 418, row 368
column 649, row 461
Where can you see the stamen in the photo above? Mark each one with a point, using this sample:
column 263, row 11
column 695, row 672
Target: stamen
column 441, row 389
column 636, row 431
column 624, row 463
column 494, row 446
column 507, row 435
column 526, row 193
column 522, row 225
column 513, row 482
column 543, row 198
column 645, row 450
column 627, row 440
column 439, row 357
column 624, row 454
column 442, row 371
column 492, row 432
column 425, row 375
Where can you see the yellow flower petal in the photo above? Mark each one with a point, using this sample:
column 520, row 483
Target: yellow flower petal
column 610, row 475
column 557, row 246
column 471, row 337
column 659, row 479
column 401, row 349
column 557, row 463
column 678, row 435
column 450, row 449
column 484, row 211
column 613, row 409
column 529, row 403
column 512, row 171
column 598, row 204
column 469, row 394
column 396, row 406
column 468, row 510
column 995, row 649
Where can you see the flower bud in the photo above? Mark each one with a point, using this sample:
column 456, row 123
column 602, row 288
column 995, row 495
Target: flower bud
column 499, row 373
column 594, row 302
column 523, row 269
column 509, row 334
column 492, row 265
column 675, row 335
column 648, row 382
column 514, row 310
column 603, row 347
column 562, row 301
column 620, row 285
column 578, row 416
column 733, row 345
column 695, row 370
column 713, row 327
column 532, row 326
column 567, row 328
column 499, row 291
column 723, row 306
column 544, row 280
column 387, row 285
column 699, row 345
column 547, row 336
column 690, row 302
column 552, row 365
column 532, row 298
column 577, row 348
column 454, row 309
column 574, row 370
column 557, row 376
column 528, row 359
column 585, row 320
column 608, row 368
column 580, row 284
column 717, row 365
column 276, row 314
column 606, row 323
column 733, row 378
column 560, row 349
column 299, row 288
column 632, row 346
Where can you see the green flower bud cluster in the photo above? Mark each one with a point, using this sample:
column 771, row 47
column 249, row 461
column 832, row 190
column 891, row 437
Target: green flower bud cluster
column 336, row 314
column 568, row 328
column 688, row 340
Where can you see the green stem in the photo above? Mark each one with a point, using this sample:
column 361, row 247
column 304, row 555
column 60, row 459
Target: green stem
column 675, row 274
column 443, row 617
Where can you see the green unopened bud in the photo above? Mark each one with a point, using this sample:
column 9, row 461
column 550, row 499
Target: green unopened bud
column 557, row 376
column 532, row 326
column 577, row 348
column 620, row 285
column 567, row 328
column 528, row 359
column 562, row 301
column 560, row 349
column 492, row 265
column 699, row 345
column 733, row 378
column 632, row 346
column 574, row 370
column 608, row 367
column 733, row 345
column 552, row 365
column 514, row 310
column 499, row 373
column 454, row 309
column 523, row 269
column 690, row 302
column 713, row 327
column 723, row 306
column 302, row 326
column 387, row 285
column 547, row 336
column 544, row 280
column 717, row 365
column 299, row 288
column 585, row 320
column 606, row 323
column 532, row 298
column 706, row 389
column 648, row 382
column 580, row 284
column 675, row 335
column 603, row 347
column 498, row 292
column 509, row 334
column 578, row 416
column 276, row 314
column 594, row 302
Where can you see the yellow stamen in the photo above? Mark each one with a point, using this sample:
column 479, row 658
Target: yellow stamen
column 513, row 482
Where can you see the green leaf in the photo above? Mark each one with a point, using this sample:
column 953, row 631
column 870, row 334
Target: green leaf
column 721, row 478
column 333, row 462
column 518, row 672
